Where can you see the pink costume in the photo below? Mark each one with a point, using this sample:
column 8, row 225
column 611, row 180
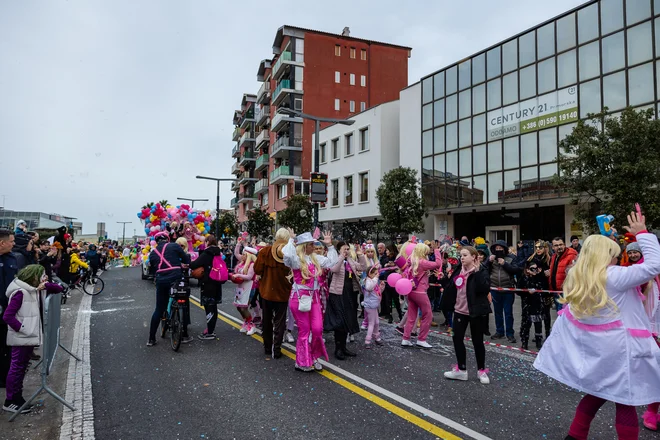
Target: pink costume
column 312, row 321
column 419, row 299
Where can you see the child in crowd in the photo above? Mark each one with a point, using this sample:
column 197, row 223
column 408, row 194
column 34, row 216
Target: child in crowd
column 24, row 333
column 244, row 278
column 532, row 304
column 370, row 304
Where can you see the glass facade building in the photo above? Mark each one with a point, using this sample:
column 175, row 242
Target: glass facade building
column 491, row 123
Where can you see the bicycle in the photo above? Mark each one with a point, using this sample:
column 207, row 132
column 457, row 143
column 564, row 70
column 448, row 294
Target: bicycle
column 89, row 283
column 173, row 318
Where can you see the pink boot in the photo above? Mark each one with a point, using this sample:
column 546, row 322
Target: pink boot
column 650, row 420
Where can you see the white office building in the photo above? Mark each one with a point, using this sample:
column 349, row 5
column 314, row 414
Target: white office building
column 355, row 158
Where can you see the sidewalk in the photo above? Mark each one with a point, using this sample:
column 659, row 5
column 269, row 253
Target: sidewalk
column 44, row 422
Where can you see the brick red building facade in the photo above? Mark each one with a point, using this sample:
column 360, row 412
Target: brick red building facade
column 321, row 74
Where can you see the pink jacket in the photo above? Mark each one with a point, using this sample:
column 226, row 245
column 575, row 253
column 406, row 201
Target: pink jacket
column 244, row 276
column 339, row 272
column 424, row 267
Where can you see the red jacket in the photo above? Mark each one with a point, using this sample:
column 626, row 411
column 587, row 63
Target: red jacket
column 556, row 279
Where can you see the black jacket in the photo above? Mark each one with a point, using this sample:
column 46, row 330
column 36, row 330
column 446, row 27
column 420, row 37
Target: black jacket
column 175, row 256
column 210, row 288
column 47, row 262
column 477, row 290
column 8, row 270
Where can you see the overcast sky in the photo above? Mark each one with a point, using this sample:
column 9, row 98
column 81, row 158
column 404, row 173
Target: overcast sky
column 107, row 105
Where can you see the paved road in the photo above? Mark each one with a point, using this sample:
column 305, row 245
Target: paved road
column 225, row 389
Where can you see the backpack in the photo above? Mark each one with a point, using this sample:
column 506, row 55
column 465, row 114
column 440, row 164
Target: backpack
column 218, row 270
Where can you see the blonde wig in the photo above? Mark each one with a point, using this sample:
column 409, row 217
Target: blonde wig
column 249, row 261
column 304, row 267
column 419, row 253
column 181, row 241
column 584, row 288
column 402, row 250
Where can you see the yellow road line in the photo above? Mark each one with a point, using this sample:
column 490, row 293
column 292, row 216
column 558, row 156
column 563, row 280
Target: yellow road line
column 406, row 415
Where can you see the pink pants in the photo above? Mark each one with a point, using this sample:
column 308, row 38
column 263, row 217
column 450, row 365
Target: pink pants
column 307, row 322
column 418, row 300
column 373, row 328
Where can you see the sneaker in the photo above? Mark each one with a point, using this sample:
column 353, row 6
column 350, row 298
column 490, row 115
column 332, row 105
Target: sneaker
column 367, row 345
column 304, row 369
column 318, row 366
column 252, row 329
column 187, row 339
column 351, row 338
column 511, row 339
column 363, row 326
column 434, row 324
column 399, row 330
column 406, row 343
column 151, row 342
column 456, row 374
column 423, row 344
column 289, row 338
column 483, row 376
column 244, row 327
column 206, row 336
column 13, row 406
column 497, row 336
column 379, row 342
column 35, row 357
column 390, row 320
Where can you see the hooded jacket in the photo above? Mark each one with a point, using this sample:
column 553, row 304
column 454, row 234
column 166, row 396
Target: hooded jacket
column 210, row 288
column 22, row 315
column 93, row 257
column 76, row 263
column 503, row 275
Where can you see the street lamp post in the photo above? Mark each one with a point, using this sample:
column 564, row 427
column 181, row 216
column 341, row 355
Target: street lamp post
column 317, row 144
column 217, row 200
column 192, row 200
column 123, row 235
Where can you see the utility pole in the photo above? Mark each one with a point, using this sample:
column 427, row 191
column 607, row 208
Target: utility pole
column 123, row 239
column 217, row 200
column 192, row 200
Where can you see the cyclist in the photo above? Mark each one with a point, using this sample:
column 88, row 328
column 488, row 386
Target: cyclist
column 168, row 259
column 93, row 258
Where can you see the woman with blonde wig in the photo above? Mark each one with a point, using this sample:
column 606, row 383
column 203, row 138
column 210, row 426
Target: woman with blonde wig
column 418, row 273
column 307, row 268
column 600, row 344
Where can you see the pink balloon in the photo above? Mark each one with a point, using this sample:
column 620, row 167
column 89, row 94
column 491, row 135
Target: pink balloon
column 403, row 286
column 409, row 249
column 393, row 278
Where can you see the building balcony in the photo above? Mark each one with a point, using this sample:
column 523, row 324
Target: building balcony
column 263, row 95
column 284, row 62
column 233, row 202
column 263, row 138
column 283, row 145
column 261, row 186
column 283, row 173
column 248, row 117
column 235, row 152
column 247, row 158
column 237, row 134
column 281, row 119
column 236, row 169
column 247, row 137
column 246, row 196
column 234, row 185
column 283, row 89
column 264, row 116
column 262, row 162
column 246, row 177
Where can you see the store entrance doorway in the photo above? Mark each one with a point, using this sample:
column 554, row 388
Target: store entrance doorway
column 509, row 234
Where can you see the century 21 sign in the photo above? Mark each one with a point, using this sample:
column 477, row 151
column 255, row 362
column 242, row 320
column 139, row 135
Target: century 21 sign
column 552, row 109
column 318, row 187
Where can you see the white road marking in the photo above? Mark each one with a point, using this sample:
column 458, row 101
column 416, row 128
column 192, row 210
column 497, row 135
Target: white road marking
column 382, row 391
column 79, row 424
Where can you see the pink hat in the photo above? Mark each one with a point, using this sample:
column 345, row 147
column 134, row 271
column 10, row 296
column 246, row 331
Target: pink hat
column 250, row 250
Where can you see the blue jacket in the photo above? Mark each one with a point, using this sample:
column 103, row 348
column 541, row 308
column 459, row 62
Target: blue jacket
column 173, row 255
column 8, row 271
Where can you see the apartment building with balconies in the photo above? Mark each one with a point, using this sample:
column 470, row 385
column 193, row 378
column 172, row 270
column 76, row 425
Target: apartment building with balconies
column 321, row 74
column 245, row 134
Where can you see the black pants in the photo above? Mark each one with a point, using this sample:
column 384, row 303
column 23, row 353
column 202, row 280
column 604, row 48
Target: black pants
column 477, row 326
column 391, row 297
column 340, row 340
column 211, row 311
column 547, row 320
column 274, row 324
column 5, row 353
column 526, row 323
column 162, row 299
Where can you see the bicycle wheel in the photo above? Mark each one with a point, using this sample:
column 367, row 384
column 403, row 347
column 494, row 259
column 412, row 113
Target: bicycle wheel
column 93, row 285
column 177, row 328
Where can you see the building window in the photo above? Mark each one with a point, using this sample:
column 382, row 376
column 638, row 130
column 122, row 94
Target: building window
column 363, row 80
column 335, row 149
column 352, row 106
column 348, row 192
column 336, row 104
column 301, row 187
column 363, row 54
column 364, row 139
column 348, row 142
column 335, row 192
column 364, row 187
column 264, row 201
column 352, row 79
column 363, row 106
column 352, row 52
column 322, row 153
column 337, row 50
column 337, row 77
column 281, row 191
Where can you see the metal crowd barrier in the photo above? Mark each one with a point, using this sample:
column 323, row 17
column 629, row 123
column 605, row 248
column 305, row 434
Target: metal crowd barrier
column 52, row 314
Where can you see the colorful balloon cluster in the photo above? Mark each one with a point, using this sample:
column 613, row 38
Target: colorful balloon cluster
column 193, row 224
